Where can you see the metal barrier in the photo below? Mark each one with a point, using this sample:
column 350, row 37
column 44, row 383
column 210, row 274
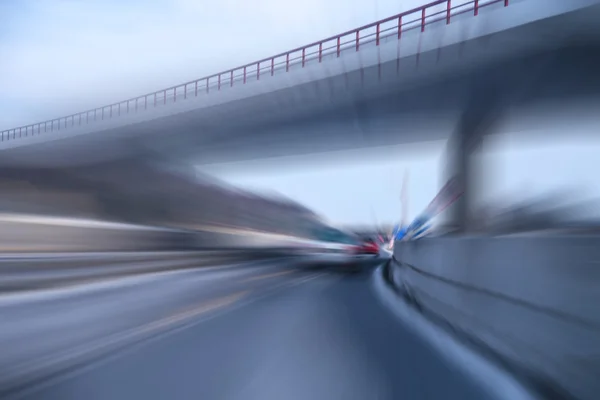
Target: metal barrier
column 395, row 26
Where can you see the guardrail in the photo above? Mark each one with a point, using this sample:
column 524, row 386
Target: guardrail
column 395, row 26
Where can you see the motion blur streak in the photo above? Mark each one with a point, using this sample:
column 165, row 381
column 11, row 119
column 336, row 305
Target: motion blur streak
column 244, row 235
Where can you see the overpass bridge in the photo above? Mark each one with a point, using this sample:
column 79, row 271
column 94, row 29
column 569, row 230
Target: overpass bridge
column 446, row 70
column 405, row 78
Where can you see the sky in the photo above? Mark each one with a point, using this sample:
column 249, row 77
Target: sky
column 66, row 56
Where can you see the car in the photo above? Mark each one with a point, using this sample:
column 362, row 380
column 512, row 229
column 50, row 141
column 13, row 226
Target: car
column 368, row 247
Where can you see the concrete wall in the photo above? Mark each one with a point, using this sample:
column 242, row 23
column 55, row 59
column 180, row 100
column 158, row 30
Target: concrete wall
column 534, row 300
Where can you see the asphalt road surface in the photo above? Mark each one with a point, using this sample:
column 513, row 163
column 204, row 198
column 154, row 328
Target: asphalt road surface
column 268, row 330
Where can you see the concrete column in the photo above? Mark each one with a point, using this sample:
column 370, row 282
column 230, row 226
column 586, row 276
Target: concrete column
column 463, row 161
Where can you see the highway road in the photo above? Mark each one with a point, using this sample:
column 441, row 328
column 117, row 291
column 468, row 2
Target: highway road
column 260, row 330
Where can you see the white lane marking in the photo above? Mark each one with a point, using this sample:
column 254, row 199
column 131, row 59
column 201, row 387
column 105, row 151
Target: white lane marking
column 267, row 276
column 498, row 383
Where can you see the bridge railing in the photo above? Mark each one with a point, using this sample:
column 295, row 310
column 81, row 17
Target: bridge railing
column 394, row 27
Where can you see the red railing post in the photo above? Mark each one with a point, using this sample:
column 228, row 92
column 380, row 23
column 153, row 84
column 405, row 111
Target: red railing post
column 320, row 51
column 448, row 8
column 231, row 79
column 476, row 7
column 377, row 35
column 287, row 62
column 272, row 66
column 244, row 74
column 338, row 45
column 505, row 3
column 357, row 39
column 257, row 71
column 423, row 20
column 303, row 56
column 399, row 26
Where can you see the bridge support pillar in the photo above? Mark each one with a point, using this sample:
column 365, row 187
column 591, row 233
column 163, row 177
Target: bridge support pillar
column 464, row 162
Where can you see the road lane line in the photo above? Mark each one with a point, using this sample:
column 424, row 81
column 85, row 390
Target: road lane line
column 192, row 312
column 266, row 276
